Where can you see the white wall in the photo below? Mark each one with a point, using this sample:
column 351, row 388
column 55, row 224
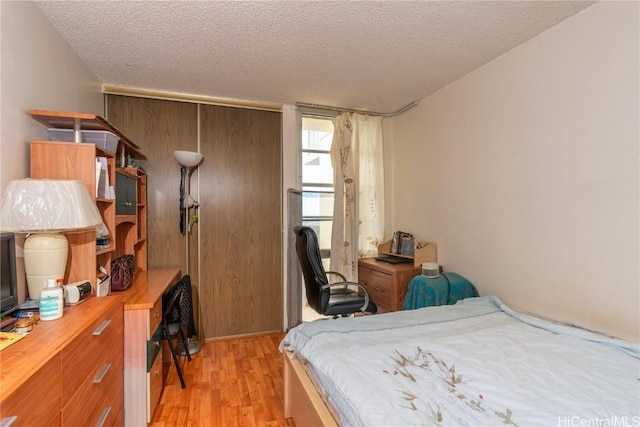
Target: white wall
column 526, row 172
column 38, row 70
column 41, row 71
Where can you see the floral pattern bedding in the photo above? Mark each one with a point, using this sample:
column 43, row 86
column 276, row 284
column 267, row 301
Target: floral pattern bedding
column 476, row 363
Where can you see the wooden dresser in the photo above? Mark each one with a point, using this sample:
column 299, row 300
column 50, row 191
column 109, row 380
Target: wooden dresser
column 386, row 283
column 143, row 373
column 67, row 372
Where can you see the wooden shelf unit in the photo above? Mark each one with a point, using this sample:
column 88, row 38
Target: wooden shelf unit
column 140, row 247
column 422, row 252
column 71, row 160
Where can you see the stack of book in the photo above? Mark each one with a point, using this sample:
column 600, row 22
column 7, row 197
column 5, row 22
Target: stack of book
column 402, row 243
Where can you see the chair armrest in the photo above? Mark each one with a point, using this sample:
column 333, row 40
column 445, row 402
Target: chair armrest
column 364, row 290
column 340, row 275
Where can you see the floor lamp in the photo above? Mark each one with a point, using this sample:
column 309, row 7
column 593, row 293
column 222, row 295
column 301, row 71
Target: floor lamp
column 188, row 161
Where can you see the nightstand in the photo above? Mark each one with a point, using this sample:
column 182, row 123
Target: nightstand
column 386, row 283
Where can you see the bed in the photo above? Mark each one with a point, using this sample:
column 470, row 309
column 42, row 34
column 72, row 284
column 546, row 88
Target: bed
column 475, row 363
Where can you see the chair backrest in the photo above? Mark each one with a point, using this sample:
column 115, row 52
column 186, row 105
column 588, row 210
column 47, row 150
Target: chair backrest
column 186, row 308
column 171, row 310
column 312, row 270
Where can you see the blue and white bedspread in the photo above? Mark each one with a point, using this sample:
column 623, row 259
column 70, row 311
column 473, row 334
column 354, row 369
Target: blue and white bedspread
column 476, row 363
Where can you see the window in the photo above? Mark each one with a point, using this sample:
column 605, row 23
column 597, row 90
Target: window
column 317, row 180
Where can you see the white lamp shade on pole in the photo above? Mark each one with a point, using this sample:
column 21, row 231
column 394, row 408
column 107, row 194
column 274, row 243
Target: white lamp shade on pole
column 188, row 158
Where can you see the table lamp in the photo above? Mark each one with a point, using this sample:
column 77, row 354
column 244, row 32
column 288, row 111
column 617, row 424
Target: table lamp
column 43, row 209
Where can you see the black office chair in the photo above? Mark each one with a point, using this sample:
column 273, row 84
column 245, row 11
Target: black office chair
column 171, row 322
column 329, row 299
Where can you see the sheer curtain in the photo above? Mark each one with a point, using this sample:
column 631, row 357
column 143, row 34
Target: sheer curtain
column 358, row 212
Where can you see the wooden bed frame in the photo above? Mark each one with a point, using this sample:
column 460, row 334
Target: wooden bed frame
column 301, row 399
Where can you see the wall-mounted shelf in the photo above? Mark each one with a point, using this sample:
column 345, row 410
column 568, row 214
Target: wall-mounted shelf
column 84, row 121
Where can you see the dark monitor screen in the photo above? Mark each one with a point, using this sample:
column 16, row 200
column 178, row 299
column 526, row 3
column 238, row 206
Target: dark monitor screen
column 8, row 285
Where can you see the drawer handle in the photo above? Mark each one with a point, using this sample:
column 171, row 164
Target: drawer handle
column 98, row 379
column 8, row 422
column 102, row 327
column 103, row 417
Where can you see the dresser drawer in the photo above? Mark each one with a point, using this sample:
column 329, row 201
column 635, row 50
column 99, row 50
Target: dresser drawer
column 35, row 402
column 381, row 297
column 103, row 389
column 386, row 283
column 368, row 276
column 379, row 286
column 97, row 344
column 154, row 382
column 112, row 414
column 119, row 421
column 109, row 416
column 154, row 346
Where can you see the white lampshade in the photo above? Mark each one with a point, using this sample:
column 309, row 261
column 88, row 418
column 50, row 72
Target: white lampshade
column 43, row 208
column 188, row 158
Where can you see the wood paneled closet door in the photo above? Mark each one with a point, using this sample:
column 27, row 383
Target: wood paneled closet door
column 235, row 248
column 240, row 221
column 159, row 127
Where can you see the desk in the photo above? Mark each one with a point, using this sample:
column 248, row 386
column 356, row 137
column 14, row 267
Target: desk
column 143, row 380
column 386, row 283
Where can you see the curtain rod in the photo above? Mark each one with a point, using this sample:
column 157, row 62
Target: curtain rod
column 349, row 110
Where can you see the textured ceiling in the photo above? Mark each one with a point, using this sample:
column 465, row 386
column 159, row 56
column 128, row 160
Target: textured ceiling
column 372, row 55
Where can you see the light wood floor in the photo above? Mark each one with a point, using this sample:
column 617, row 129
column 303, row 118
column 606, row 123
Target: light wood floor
column 231, row 382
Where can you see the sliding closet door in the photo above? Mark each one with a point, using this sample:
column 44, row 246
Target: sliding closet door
column 240, row 221
column 235, row 248
column 160, row 127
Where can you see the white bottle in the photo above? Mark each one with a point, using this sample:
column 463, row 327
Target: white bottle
column 51, row 301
